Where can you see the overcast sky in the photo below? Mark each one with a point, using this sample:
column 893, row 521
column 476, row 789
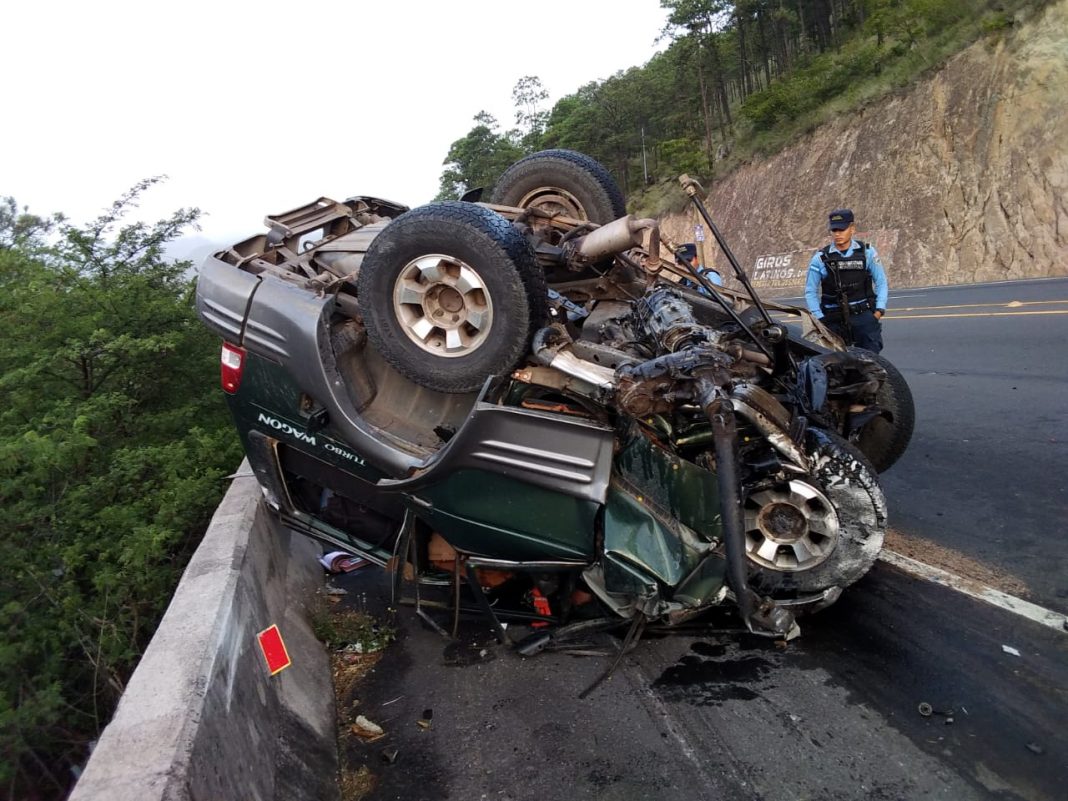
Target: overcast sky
column 253, row 108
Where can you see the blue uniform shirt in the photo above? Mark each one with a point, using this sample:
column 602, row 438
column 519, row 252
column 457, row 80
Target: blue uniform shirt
column 709, row 273
column 817, row 272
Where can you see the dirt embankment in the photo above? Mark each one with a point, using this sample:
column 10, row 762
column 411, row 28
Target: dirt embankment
column 963, row 178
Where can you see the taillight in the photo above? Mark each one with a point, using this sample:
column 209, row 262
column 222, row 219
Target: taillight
column 233, row 364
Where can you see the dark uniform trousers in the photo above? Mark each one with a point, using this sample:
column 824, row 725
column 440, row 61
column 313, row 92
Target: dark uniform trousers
column 867, row 331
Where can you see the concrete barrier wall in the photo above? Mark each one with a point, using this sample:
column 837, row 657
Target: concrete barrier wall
column 201, row 718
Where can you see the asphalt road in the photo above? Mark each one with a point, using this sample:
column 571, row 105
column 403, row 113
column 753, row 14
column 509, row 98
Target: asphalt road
column 987, row 471
column 836, row 713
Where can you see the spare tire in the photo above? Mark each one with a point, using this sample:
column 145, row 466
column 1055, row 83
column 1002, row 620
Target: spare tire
column 562, row 182
column 884, row 438
column 451, row 294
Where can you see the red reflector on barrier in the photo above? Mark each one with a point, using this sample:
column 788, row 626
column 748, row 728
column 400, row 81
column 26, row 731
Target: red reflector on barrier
column 274, row 650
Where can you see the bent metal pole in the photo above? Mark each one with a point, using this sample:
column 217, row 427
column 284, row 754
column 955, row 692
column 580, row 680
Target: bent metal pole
column 692, row 187
column 761, row 616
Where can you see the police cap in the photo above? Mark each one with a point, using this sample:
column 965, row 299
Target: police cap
column 840, row 219
column 684, row 254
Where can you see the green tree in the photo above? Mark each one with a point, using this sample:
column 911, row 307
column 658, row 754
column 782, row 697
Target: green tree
column 21, row 229
column 478, row 159
column 698, row 24
column 113, row 446
column 528, row 94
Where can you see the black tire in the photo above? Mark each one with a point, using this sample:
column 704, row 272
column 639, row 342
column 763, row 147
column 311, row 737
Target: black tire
column 845, row 479
column 884, row 439
column 451, row 275
column 563, row 181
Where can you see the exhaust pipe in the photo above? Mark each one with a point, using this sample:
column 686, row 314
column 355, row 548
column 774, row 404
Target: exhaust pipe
column 548, row 348
column 617, row 236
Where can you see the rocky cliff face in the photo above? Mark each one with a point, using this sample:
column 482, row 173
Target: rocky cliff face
column 963, row 178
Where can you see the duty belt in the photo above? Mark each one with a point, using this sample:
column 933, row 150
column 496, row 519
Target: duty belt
column 862, row 305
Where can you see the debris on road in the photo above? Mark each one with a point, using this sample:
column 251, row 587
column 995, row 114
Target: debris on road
column 366, row 728
column 926, row 710
column 1035, row 748
column 341, row 562
column 936, row 555
column 1010, row 650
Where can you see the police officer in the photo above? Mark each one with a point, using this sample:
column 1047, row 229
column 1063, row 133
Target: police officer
column 849, row 272
column 686, row 255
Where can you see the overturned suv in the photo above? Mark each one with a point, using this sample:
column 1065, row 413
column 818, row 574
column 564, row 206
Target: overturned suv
column 518, row 400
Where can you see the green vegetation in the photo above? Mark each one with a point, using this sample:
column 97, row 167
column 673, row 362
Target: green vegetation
column 737, row 80
column 113, row 449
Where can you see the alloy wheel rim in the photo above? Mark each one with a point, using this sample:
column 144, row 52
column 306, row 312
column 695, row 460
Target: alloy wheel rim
column 443, row 305
column 790, row 527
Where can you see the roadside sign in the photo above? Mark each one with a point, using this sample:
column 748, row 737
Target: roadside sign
column 274, row 650
column 699, row 233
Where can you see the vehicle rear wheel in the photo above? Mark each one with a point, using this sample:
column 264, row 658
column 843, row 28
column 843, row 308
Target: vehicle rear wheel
column 450, row 294
column 884, row 439
column 562, row 182
column 816, row 532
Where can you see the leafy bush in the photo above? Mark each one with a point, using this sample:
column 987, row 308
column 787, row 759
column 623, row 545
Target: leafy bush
column 825, row 77
column 995, row 21
column 683, row 156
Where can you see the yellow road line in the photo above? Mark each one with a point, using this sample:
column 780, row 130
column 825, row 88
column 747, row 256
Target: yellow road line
column 970, row 314
column 1010, row 305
